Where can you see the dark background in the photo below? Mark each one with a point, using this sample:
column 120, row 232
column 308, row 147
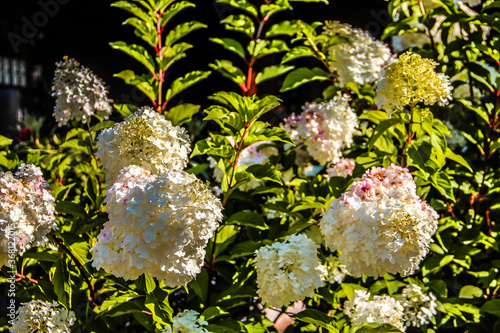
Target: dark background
column 40, row 32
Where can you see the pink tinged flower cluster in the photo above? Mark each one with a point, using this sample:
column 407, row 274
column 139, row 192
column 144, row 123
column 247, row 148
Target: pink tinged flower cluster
column 145, row 139
column 380, row 225
column 26, row 210
column 342, row 168
column 324, row 128
column 158, row 224
column 42, row 316
column 79, row 93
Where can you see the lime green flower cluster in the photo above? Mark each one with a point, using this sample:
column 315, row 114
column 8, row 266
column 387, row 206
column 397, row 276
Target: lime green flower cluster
column 410, row 80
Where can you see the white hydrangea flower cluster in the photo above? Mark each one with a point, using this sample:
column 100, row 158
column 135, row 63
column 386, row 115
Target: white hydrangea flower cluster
column 419, row 307
column 360, row 59
column 380, row 224
column 187, row 321
column 342, row 168
column 145, row 139
column 288, row 271
column 42, row 316
column 456, row 138
column 324, row 128
column 410, row 80
column 158, row 224
column 381, row 309
column 336, row 270
column 79, row 93
column 251, row 155
column 26, row 210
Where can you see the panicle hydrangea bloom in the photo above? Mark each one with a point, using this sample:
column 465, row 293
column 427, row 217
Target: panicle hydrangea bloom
column 419, row 307
column 26, row 210
column 381, row 309
column 380, row 224
column 342, row 168
column 253, row 154
column 360, row 59
column 158, row 224
column 40, row 316
column 79, row 93
column 324, row 128
column 288, row 271
column 456, row 138
column 145, row 139
column 187, row 321
column 410, row 80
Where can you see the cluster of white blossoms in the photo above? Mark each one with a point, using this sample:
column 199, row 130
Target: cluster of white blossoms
column 79, row 93
column 288, row 271
column 419, row 307
column 360, row 59
column 380, row 224
column 456, row 138
column 381, row 309
column 251, row 155
column 145, row 139
column 40, row 316
column 187, row 321
column 324, row 128
column 410, row 80
column 158, row 224
column 342, row 168
column 26, row 210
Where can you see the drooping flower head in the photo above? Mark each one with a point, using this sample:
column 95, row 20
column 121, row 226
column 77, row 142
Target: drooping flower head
column 324, row 128
column 419, row 307
column 288, row 271
column 26, row 210
column 187, row 321
column 381, row 309
column 410, row 80
column 145, row 139
column 342, row 168
column 158, row 224
column 79, row 93
column 256, row 153
column 40, row 316
column 360, row 59
column 380, row 224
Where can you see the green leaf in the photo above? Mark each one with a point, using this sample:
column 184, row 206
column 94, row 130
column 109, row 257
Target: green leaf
column 212, row 312
column 381, row 128
column 4, row 141
column 324, row 1
column 102, row 125
column 350, row 288
column 182, row 30
column 265, row 172
column 60, row 280
column 470, row 292
column 249, row 219
column 173, row 53
column 240, row 23
column 492, row 306
column 375, row 328
column 226, row 68
column 272, row 72
column 134, row 10
column 182, row 83
column 267, row 10
column 441, row 181
column 141, row 82
column 125, row 109
column 298, row 52
column 117, row 299
column 181, row 113
column 245, row 248
column 241, row 4
column 275, row 134
column 230, row 44
column 173, row 10
column 457, row 158
column 137, row 52
column 261, row 47
column 157, row 303
column 301, row 76
column 144, row 30
column 149, row 283
column 289, row 28
column 71, row 208
column 318, row 318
